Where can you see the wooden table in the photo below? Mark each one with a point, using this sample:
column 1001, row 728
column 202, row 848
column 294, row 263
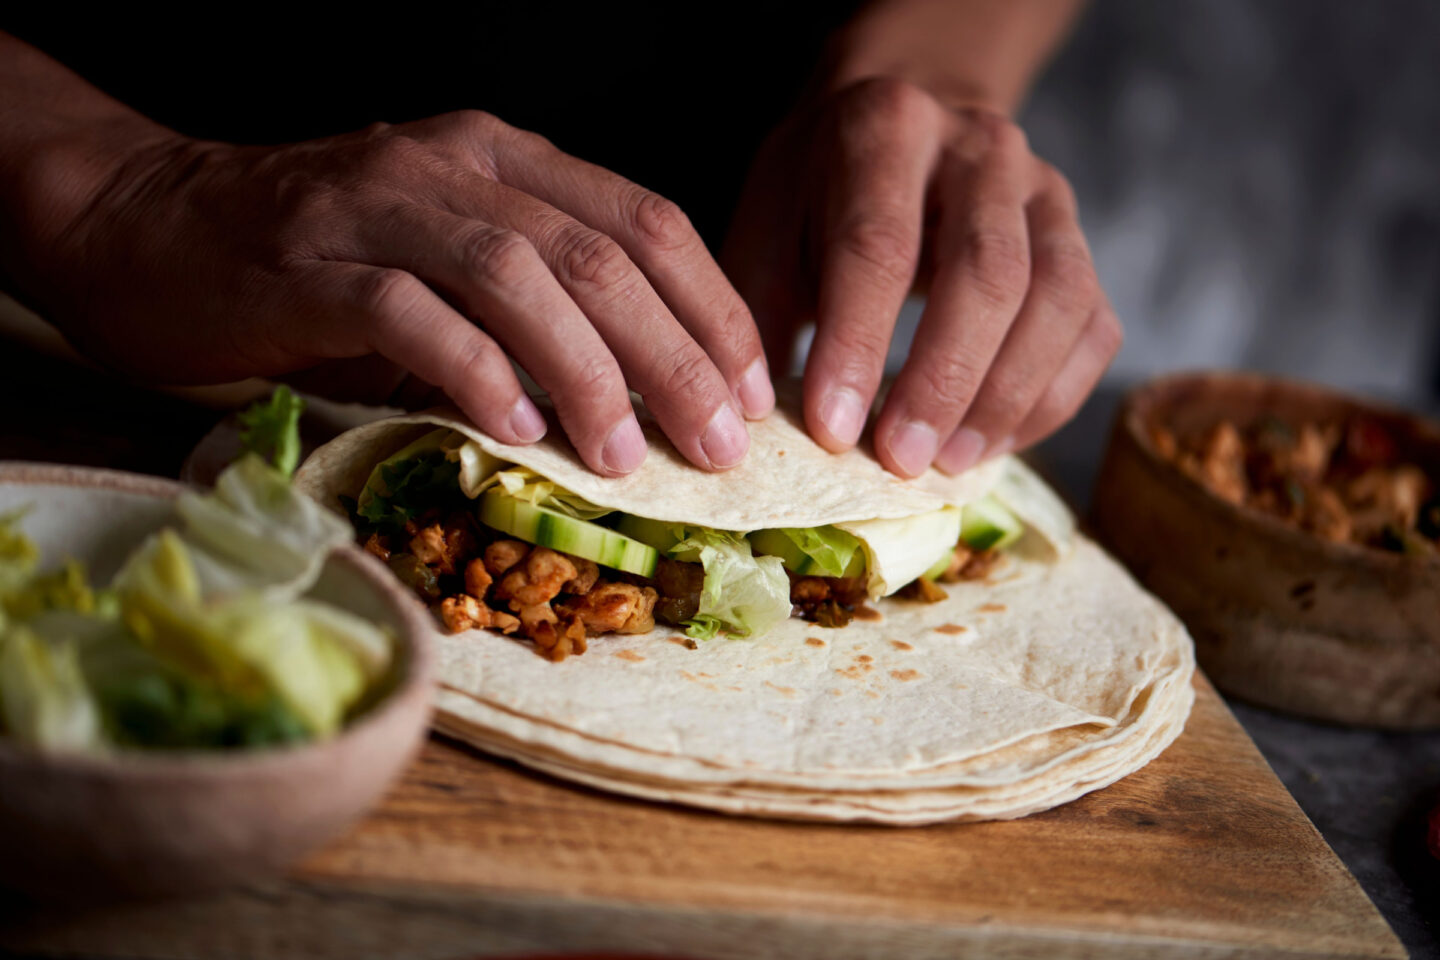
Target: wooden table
column 1200, row 854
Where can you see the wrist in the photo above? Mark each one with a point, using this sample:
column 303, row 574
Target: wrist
column 53, row 178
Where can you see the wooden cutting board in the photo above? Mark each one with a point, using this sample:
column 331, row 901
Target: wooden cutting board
column 1200, row 854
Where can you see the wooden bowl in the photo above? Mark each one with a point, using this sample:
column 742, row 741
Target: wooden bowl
column 153, row 823
column 1335, row 631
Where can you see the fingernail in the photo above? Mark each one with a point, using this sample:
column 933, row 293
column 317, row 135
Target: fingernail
column 725, row 439
column 526, row 421
column 757, row 395
column 961, row 451
column 999, row 448
column 912, row 447
column 843, row 414
column 625, row 448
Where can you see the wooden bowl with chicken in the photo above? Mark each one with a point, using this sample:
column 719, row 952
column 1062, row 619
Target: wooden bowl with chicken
column 1295, row 530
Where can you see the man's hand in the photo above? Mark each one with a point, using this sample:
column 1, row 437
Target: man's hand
column 902, row 170
column 889, row 188
column 449, row 246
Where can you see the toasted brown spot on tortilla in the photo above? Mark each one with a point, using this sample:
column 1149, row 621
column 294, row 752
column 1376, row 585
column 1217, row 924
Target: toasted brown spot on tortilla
column 877, row 720
column 854, row 673
column 685, row 642
column 872, row 694
column 904, row 676
column 862, row 612
column 901, row 645
column 991, row 608
column 630, row 655
column 779, row 453
column 814, row 641
column 951, row 628
column 835, row 691
column 864, row 658
column 785, row 691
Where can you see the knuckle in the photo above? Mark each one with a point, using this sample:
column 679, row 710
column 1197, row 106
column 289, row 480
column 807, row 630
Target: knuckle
column 1055, row 183
column 887, row 99
column 659, row 222
column 999, row 263
column 589, row 258
column 1056, row 406
column 950, row 384
column 503, row 257
column 1066, row 267
column 591, row 379
column 387, row 294
column 885, row 243
column 480, row 363
column 1005, row 399
column 686, row 373
column 859, row 347
column 1109, row 335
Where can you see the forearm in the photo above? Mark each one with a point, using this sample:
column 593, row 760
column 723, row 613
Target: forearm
column 964, row 52
column 61, row 142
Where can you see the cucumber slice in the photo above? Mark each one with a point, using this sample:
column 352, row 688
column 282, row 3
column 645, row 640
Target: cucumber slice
column 579, row 538
column 775, row 543
column 939, row 566
column 659, row 534
column 985, row 525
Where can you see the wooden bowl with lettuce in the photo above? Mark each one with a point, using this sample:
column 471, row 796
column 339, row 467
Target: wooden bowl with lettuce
column 196, row 688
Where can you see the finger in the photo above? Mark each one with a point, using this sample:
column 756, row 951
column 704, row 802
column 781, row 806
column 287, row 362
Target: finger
column 869, row 236
column 495, row 277
column 605, row 293
column 1062, row 297
column 658, row 238
column 405, row 322
column 682, row 386
column 982, row 255
column 1083, row 369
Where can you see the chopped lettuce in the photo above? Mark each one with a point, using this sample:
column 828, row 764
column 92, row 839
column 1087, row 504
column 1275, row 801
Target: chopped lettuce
column 743, row 594
column 45, row 702
column 525, row 484
column 257, row 522
column 18, row 554
column 270, row 429
column 416, row 478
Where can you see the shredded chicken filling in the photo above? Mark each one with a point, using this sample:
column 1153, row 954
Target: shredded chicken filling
column 1343, row 482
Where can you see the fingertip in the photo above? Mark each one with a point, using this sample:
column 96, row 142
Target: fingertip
column 839, row 419
column 962, row 451
column 624, row 448
column 526, row 421
column 755, row 391
column 910, row 448
column 724, row 441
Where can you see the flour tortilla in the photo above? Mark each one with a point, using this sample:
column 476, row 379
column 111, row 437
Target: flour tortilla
column 1054, row 676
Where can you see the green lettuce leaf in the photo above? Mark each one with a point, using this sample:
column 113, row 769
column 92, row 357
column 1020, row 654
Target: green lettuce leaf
column 831, row 548
column 18, row 554
column 265, row 530
column 420, row 476
column 270, row 429
column 743, row 594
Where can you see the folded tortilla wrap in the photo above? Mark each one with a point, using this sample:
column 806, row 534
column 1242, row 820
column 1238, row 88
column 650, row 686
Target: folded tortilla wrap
column 1053, row 676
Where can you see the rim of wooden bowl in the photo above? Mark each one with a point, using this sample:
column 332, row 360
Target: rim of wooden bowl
column 413, row 680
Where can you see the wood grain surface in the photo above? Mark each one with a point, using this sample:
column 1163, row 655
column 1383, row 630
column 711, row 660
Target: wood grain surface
column 1200, row 854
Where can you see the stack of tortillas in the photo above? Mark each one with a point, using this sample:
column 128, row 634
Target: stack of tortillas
column 1052, row 677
